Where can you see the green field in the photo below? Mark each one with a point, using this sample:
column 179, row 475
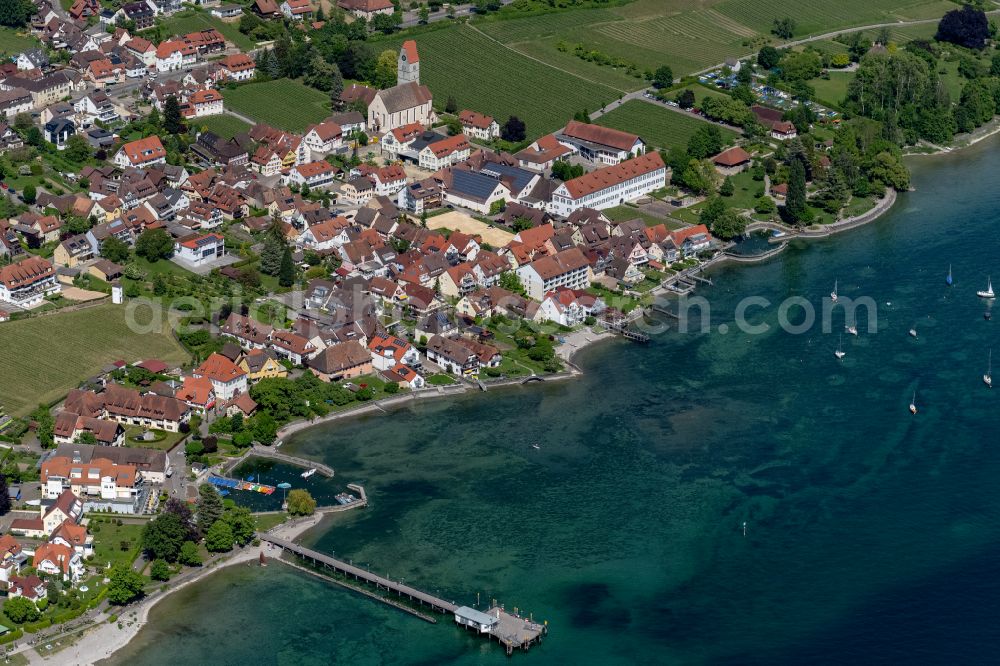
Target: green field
column 832, row 91
column 43, row 357
column 193, row 20
column 485, row 76
column 12, row 43
column 688, row 35
column 282, row 103
column 658, row 127
column 225, row 126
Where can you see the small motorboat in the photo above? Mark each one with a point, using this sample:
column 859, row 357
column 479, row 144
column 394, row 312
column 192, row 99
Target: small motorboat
column 988, row 377
column 913, row 403
column 833, row 294
column 308, row 473
column 852, row 330
column 913, row 332
column 948, row 279
column 988, row 292
column 536, row 447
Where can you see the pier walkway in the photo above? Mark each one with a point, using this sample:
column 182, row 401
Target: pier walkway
column 339, row 566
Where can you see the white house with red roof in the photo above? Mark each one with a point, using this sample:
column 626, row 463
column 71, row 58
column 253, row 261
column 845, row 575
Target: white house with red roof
column 388, row 180
column 141, row 153
column 317, row 175
column 367, row 9
column 388, row 351
column 600, row 144
column 477, row 125
column 323, row 139
column 175, row 54
column 611, row 186
column 198, row 393
column 401, row 138
column 296, row 10
column 26, row 283
column 200, row 250
column 238, row 67
column 445, row 152
column 206, row 102
column 691, row 240
column 568, row 307
column 325, row 235
column 228, row 379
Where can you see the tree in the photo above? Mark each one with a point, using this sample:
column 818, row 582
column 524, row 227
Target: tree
column 154, row 244
column 699, row 176
column 783, row 28
column 116, row 250
column 712, row 211
column 513, row 130
column 424, row 14
column 451, row 106
column 386, row 69
column 219, row 537
column 29, row 193
column 4, row 496
column 320, row 74
column 44, row 425
column 189, row 555
column 563, row 170
column 336, row 85
column 727, row 188
column 77, row 148
column 159, row 570
column 966, row 27
column 209, row 506
column 16, row 13
column 34, row 137
column 510, row 281
column 286, row 272
column 768, row 57
column 163, row 536
column 241, row 524
column 301, row 503
column 173, row 122
column 125, row 584
column 20, row 610
column 273, row 252
column 729, row 225
column 663, row 77
column 705, row 142
column 795, row 201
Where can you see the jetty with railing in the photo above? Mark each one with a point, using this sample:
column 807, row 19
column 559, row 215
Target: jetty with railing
column 510, row 629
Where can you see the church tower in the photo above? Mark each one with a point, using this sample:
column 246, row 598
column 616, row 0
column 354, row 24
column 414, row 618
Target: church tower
column 408, row 70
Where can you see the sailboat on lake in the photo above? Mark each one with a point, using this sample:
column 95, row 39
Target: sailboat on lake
column 913, row 403
column 988, row 293
column 948, row 279
column 833, row 294
column 840, row 353
column 988, row 377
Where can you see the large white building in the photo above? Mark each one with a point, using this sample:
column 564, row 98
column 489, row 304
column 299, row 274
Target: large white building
column 600, row 144
column 568, row 268
column 611, row 186
column 27, row 282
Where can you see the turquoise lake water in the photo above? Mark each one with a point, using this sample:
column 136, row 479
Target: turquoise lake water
column 871, row 534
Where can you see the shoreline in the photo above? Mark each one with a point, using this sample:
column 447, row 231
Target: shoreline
column 103, row 639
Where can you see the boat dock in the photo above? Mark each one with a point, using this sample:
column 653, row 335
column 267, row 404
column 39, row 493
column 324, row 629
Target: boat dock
column 510, row 629
column 239, row 484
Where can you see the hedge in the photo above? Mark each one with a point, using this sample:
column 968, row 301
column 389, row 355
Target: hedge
column 11, row 636
column 32, row 627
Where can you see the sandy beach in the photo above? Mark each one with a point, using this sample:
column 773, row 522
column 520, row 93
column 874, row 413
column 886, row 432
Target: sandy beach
column 105, row 638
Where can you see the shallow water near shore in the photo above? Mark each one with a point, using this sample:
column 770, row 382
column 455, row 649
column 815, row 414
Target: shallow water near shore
column 871, row 534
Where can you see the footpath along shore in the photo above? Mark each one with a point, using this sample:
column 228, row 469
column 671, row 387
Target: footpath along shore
column 105, row 638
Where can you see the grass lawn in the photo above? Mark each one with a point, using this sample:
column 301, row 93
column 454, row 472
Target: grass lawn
column 161, row 267
column 440, row 380
column 43, row 357
column 225, row 126
column 268, row 520
column 659, row 127
column 832, row 91
column 624, row 213
column 162, row 440
column 109, row 538
column 745, row 190
column 193, row 20
column 13, row 42
column 481, row 74
column 282, row 103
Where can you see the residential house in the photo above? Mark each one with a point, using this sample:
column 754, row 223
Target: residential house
column 248, row 332
column 203, row 103
column 297, row 10
column 568, row 268
column 72, row 251
column 68, row 428
column 323, row 139
column 479, row 126
column 200, row 250
column 129, row 407
column 388, row 351
column 445, row 152
column 238, row 67
column 317, row 175
column 228, row 379
column 542, row 154
column 198, row 393
column 358, row 191
column 343, row 360
column 26, row 283
column 292, row 346
column 262, row 364
column 141, row 153
column 367, row 9
column 58, row 132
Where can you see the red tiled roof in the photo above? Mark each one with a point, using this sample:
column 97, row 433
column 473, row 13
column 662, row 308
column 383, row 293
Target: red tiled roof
column 409, row 48
column 144, row 150
column 601, row 179
column 732, row 157
column 26, row 271
column 219, row 368
column 604, row 136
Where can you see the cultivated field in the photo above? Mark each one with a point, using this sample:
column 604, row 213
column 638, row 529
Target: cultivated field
column 225, row 126
column 193, row 20
column 456, row 221
column 659, row 127
column 483, row 75
column 282, row 103
column 42, row 358
column 688, row 35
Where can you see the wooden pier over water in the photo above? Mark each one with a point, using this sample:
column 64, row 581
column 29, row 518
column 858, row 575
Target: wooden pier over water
column 270, row 454
column 510, row 629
